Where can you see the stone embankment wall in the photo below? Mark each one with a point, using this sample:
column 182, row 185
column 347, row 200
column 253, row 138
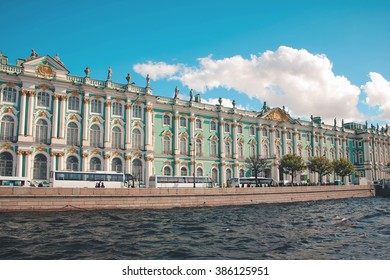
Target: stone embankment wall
column 45, row 199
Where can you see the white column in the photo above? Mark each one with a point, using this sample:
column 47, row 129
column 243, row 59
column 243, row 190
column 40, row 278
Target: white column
column 259, row 134
column 63, row 103
column 295, row 139
column 223, row 175
column 53, row 161
column 30, row 113
column 284, row 141
column 176, row 134
column 128, row 164
column 106, row 163
column 221, row 138
column 85, row 121
column 55, row 117
column 235, row 140
column 22, row 113
column 28, row 164
column 128, row 125
column 148, row 129
column 107, row 125
column 84, row 165
column 272, row 141
column 19, row 166
column 61, row 161
column 148, row 169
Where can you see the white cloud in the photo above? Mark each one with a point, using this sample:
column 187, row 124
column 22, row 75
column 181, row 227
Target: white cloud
column 226, row 102
column 378, row 94
column 301, row 81
column 156, row 70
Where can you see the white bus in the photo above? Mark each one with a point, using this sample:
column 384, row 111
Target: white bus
column 249, row 182
column 160, row 181
column 90, row 179
column 9, row 181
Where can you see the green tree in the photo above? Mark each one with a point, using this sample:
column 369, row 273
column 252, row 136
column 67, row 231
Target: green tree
column 292, row 164
column 257, row 164
column 343, row 167
column 320, row 165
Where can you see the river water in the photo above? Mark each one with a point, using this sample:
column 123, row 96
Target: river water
column 357, row 228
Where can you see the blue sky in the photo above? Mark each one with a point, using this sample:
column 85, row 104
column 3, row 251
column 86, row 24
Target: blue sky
column 326, row 58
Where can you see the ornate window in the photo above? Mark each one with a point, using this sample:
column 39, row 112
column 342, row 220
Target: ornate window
column 7, row 128
column 213, row 149
column 183, row 146
column 265, row 150
column 360, row 155
column 96, row 106
column 95, row 164
column 213, row 125
column 72, row 163
column 277, row 133
column 40, row 167
column 198, row 147
column 167, row 145
column 183, row 122
column 240, row 150
column 252, row 150
column 227, row 127
column 252, row 130
column 166, row 120
column 117, row 109
column 42, row 132
column 136, row 139
column 228, row 173
column 214, row 175
column 167, row 171
column 117, row 165
column 6, row 164
column 116, row 137
column 183, row 171
column 43, row 99
column 137, row 112
column 74, row 103
column 137, row 170
column 228, row 149
column 95, row 136
column 289, row 135
column 199, row 172
column 72, row 134
column 198, row 124
column 278, row 151
column 9, row 94
column 264, row 131
column 242, row 173
column 239, row 128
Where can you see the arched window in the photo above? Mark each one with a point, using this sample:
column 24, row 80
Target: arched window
column 116, row 137
column 7, row 128
column 43, row 99
column 265, row 150
column 264, row 131
column 42, row 131
column 9, row 94
column 213, row 149
column 198, row 147
column 6, row 164
column 214, row 175
column 183, row 146
column 167, row 171
column 213, row 125
column 136, row 139
column 198, row 124
column 289, row 135
column 183, row 171
column 72, row 163
column 199, row 172
column 228, row 150
column 239, row 128
column 95, row 136
column 167, row 145
column 277, row 133
column 227, row 127
column 242, row 173
column 252, row 130
column 117, row 109
column 40, row 167
column 96, row 106
column 117, row 165
column 137, row 170
column 74, row 103
column 360, row 153
column 137, row 112
column 289, row 150
column 167, row 120
column 72, row 134
column 183, row 122
column 252, row 150
column 278, row 151
column 95, row 164
column 228, row 173
column 240, row 150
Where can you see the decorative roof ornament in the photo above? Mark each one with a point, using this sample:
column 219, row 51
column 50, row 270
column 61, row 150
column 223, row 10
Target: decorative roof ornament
column 191, row 94
column 220, row 101
column 176, row 92
column 234, row 104
column 34, row 54
column 147, row 81
column 87, row 71
column 128, row 78
column 109, row 73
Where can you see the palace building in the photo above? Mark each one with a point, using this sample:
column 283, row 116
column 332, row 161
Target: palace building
column 51, row 120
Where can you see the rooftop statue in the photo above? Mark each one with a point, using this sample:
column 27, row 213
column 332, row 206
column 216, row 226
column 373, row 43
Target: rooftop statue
column 176, row 92
column 109, row 73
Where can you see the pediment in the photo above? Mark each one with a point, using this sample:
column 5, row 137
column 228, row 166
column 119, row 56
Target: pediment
column 45, row 66
column 277, row 114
